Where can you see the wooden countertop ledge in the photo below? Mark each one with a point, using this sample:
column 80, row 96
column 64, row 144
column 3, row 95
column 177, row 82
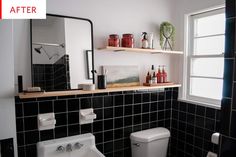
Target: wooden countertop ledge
column 81, row 92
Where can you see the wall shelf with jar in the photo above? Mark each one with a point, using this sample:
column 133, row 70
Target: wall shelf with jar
column 159, row 84
column 139, row 50
column 126, row 44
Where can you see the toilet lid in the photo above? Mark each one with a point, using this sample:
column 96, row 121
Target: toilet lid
column 150, row 134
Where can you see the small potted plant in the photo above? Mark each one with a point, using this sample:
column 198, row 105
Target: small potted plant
column 167, row 34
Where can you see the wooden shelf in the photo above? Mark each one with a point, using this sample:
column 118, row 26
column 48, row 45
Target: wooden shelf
column 81, row 92
column 140, row 50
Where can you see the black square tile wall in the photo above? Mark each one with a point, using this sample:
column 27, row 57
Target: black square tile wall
column 230, row 8
column 228, row 78
column 43, row 76
column 191, row 129
column 7, row 147
column 52, row 76
column 229, row 38
column 118, row 115
column 228, row 118
column 228, row 147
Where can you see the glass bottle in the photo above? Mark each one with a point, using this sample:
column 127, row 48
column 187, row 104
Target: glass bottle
column 164, row 74
column 114, row 40
column 127, row 40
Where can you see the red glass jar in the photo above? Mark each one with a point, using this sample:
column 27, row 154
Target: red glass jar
column 114, row 40
column 128, row 40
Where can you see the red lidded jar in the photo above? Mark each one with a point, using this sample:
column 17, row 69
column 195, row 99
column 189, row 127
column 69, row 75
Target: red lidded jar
column 114, row 40
column 128, row 40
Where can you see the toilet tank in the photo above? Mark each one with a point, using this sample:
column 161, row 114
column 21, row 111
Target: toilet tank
column 150, row 143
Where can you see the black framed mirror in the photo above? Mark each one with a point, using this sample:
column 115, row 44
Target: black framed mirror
column 62, row 52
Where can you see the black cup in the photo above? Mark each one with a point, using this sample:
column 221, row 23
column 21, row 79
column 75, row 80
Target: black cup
column 102, row 82
column 20, row 83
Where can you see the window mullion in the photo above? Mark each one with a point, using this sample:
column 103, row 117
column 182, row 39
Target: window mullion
column 206, row 77
column 207, row 56
column 206, row 36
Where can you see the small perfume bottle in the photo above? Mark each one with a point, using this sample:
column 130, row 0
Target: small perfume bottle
column 154, row 78
column 164, row 74
column 159, row 75
column 148, row 78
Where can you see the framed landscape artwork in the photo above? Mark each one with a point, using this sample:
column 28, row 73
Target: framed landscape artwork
column 122, row 76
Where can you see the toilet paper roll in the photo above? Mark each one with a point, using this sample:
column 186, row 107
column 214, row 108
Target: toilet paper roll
column 215, row 138
column 210, row 154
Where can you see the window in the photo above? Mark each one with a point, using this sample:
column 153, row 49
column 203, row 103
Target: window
column 205, row 58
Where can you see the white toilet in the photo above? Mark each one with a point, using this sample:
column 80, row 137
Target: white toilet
column 74, row 146
column 150, row 143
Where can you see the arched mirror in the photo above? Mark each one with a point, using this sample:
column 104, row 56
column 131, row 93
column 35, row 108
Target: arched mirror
column 62, row 52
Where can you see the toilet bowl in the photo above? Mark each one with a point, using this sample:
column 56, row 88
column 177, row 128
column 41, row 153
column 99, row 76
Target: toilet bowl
column 74, row 146
column 150, row 143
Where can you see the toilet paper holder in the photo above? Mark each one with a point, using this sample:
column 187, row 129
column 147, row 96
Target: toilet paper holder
column 215, row 138
column 46, row 121
column 211, row 154
column 86, row 116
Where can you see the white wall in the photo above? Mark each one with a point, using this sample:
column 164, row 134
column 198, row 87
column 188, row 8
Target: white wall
column 122, row 16
column 77, row 37
column 22, row 52
column 7, row 104
column 48, row 31
column 133, row 16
